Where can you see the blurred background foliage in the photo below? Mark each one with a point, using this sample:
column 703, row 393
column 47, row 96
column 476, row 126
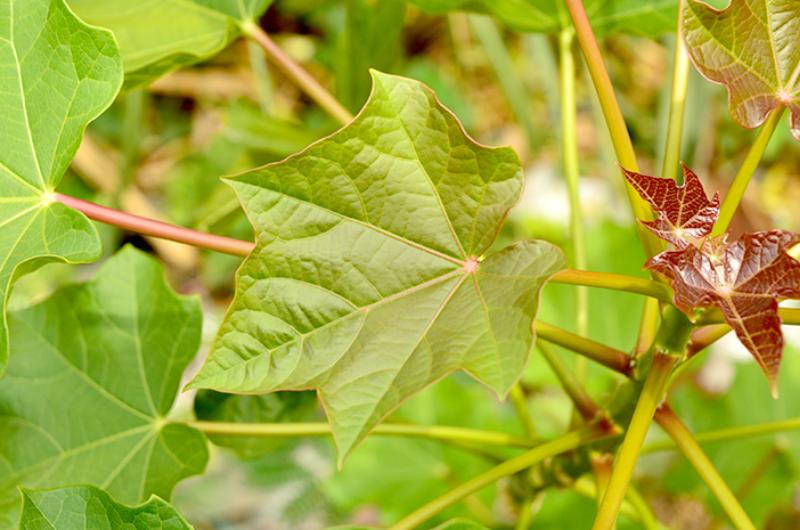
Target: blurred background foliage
column 160, row 152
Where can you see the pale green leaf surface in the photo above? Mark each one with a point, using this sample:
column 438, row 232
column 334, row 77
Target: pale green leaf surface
column 639, row 17
column 96, row 370
column 363, row 282
column 752, row 48
column 157, row 36
column 56, row 75
column 90, row 508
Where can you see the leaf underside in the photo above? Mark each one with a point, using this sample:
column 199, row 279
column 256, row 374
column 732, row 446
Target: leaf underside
column 365, row 282
column 639, row 17
column 744, row 278
column 56, row 75
column 752, row 48
column 158, row 36
column 97, row 371
column 90, row 508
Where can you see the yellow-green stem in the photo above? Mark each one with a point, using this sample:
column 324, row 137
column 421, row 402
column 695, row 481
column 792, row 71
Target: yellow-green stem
column 610, row 357
column 646, row 516
column 509, row 467
column 649, row 400
column 734, row 433
column 615, row 121
column 520, row 403
column 580, row 399
column 677, row 104
column 617, row 282
column 297, row 74
column 569, row 153
column 734, row 196
column 691, row 449
column 432, row 432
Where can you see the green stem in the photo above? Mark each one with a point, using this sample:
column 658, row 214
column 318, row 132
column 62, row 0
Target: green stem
column 677, row 105
column 432, row 432
column 615, row 121
column 569, row 151
column 650, row 398
column 297, row 74
column 525, row 517
column 610, row 357
column 585, row 485
column 746, row 172
column 583, row 403
column 733, row 433
column 691, row 449
column 704, row 337
column 617, row 282
column 499, row 59
column 560, row 445
column 520, row 403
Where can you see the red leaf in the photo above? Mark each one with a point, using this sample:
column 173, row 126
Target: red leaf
column 684, row 213
column 744, row 279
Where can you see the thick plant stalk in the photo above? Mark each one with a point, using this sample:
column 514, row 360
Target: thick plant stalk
column 734, row 196
column 691, row 449
column 560, row 445
column 150, row 227
column 610, row 357
column 297, row 74
column 653, row 392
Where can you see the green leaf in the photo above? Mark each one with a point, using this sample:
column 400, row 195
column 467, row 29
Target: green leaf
column 279, row 407
column 56, row 75
column 157, row 36
column 97, row 371
column 751, row 47
column 648, row 18
column 369, row 280
column 89, row 508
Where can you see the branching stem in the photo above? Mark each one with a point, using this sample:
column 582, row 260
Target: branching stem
column 587, row 408
column 650, row 398
column 560, row 445
column 733, row 433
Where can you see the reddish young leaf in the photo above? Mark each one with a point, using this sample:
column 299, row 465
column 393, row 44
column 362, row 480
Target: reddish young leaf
column 684, row 213
column 744, row 279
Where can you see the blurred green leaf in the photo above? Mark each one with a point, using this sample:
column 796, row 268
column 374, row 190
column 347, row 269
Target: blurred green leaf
column 371, row 38
column 90, row 508
column 648, row 18
column 157, row 36
column 97, row 372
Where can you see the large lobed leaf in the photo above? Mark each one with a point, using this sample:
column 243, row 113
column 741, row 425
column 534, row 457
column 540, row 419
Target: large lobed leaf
column 90, row 508
column 56, row 75
column 744, row 279
column 640, row 17
column 97, row 370
column 368, row 281
column 752, row 48
column 157, row 36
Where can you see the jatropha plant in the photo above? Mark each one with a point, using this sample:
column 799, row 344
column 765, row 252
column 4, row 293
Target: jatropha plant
column 373, row 272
